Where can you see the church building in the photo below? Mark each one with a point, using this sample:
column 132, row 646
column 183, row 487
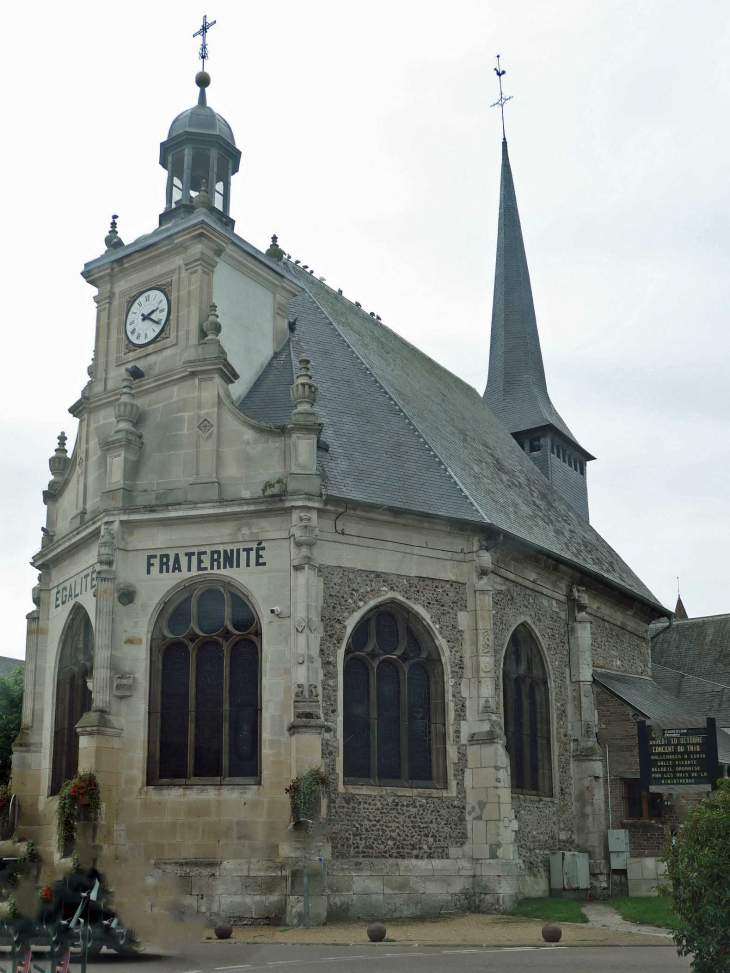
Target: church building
column 285, row 539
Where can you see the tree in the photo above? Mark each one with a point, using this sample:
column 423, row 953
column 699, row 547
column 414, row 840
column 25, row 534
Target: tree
column 698, row 868
column 11, row 704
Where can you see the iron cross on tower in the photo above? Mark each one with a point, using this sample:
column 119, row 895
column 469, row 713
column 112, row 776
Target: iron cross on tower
column 203, row 34
column 502, row 100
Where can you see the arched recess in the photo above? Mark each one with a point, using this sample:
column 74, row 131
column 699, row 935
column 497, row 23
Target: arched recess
column 527, row 714
column 393, row 704
column 73, row 696
column 205, row 687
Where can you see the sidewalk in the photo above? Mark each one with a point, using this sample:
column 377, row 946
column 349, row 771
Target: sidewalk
column 466, row 930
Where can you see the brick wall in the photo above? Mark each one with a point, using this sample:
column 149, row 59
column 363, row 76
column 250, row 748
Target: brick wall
column 617, row 731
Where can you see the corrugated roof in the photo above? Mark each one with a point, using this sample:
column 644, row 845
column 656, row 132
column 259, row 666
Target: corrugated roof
column 406, row 433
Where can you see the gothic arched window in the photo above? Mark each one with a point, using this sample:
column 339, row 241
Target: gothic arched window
column 205, row 700
column 393, row 703
column 73, row 696
column 526, row 696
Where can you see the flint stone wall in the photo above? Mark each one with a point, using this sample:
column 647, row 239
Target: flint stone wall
column 365, row 826
column 615, row 648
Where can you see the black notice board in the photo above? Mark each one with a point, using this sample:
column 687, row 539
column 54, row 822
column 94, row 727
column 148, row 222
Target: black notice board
column 678, row 759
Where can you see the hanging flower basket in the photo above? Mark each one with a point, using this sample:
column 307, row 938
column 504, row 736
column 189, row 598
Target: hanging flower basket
column 83, row 791
column 305, row 796
column 46, row 894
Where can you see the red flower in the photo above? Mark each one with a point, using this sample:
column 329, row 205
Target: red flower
column 46, row 894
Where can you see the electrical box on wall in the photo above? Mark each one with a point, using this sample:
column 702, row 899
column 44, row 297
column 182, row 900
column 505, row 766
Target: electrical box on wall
column 569, row 874
column 618, row 849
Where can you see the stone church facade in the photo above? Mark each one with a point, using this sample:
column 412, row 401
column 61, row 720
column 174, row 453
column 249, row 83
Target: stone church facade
column 286, row 539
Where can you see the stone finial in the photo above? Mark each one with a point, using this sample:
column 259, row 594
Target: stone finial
column 304, row 389
column 112, row 240
column 275, row 252
column 126, row 410
column 203, row 200
column 305, row 534
column 106, row 550
column 212, row 325
column 58, row 463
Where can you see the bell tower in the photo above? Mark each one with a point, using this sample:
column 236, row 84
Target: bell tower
column 200, row 157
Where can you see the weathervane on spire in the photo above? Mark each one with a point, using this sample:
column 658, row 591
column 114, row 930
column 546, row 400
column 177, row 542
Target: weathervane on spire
column 502, row 100
column 203, row 34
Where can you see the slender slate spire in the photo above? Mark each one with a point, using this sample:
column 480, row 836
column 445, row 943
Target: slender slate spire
column 516, row 389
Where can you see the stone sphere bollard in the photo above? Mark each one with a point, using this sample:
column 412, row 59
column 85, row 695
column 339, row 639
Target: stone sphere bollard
column 223, row 930
column 376, row 932
column 551, row 932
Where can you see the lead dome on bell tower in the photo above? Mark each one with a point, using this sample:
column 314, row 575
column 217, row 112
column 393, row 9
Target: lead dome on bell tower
column 200, row 157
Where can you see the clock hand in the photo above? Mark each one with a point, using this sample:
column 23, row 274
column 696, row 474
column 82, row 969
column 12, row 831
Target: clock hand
column 148, row 317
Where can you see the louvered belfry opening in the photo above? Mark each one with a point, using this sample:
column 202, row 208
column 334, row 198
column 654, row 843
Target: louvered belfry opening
column 393, row 703
column 73, row 696
column 205, row 695
column 526, row 699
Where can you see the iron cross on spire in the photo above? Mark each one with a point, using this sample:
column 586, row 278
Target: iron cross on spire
column 203, row 34
column 502, row 100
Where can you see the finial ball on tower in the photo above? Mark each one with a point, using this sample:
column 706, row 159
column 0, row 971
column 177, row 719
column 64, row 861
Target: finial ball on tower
column 202, row 79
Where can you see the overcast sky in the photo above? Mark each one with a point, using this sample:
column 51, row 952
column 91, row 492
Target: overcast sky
column 370, row 147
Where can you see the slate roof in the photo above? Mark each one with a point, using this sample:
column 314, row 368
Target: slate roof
column 691, row 660
column 516, row 389
column 9, row 665
column 405, row 433
column 655, row 702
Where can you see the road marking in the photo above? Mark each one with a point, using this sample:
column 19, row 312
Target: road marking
column 238, row 966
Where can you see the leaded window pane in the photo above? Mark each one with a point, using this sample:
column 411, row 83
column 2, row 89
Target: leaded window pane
column 179, row 621
column 356, row 719
column 419, row 724
column 518, row 741
column 243, row 694
column 527, row 715
column 73, row 696
column 209, row 710
column 359, row 638
column 242, row 616
column 413, row 646
column 534, row 741
column 386, row 632
column 174, row 703
column 388, row 729
column 211, row 611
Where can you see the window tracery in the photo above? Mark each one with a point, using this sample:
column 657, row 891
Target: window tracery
column 205, row 699
column 393, row 703
column 526, row 695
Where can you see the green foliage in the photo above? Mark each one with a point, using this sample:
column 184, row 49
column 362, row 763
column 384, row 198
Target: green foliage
column 271, row 485
column 11, row 704
column 83, row 786
column 5, row 795
column 698, row 870
column 30, row 854
column 550, row 910
column 305, row 794
column 651, row 910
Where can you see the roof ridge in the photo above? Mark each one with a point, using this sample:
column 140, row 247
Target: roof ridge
column 398, row 404
column 371, row 320
column 690, row 675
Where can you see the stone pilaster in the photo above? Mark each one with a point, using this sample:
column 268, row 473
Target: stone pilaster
column 122, row 449
column 105, row 579
column 586, row 754
column 304, row 430
column 490, row 821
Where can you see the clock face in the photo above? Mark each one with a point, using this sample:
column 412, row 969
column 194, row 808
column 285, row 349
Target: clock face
column 147, row 316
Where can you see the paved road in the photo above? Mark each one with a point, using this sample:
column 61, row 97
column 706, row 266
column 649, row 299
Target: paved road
column 364, row 958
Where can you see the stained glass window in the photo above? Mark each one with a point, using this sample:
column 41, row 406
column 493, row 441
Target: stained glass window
column 73, row 696
column 525, row 694
column 393, row 703
column 205, row 698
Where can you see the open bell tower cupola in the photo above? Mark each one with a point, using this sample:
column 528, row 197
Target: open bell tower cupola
column 200, row 157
